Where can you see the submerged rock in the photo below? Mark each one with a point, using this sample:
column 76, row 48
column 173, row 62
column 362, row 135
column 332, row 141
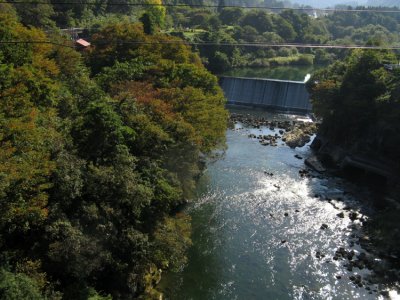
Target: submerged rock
column 315, row 164
column 340, row 215
column 353, row 216
column 324, row 226
column 304, row 173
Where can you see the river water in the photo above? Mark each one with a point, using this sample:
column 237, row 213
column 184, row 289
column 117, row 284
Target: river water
column 255, row 236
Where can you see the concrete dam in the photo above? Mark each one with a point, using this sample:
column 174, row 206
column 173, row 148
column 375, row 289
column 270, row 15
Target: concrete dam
column 281, row 95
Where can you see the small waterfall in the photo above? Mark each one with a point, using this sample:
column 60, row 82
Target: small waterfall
column 268, row 93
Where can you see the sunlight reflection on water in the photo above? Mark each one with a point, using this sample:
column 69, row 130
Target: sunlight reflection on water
column 256, row 236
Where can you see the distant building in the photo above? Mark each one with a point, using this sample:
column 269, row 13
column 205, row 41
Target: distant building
column 81, row 44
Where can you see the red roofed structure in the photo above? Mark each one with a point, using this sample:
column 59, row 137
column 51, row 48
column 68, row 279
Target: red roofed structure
column 82, row 43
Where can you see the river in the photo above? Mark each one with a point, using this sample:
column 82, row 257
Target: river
column 256, row 236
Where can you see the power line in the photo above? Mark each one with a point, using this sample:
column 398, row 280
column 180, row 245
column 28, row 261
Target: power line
column 296, row 45
column 210, row 6
column 36, row 42
column 265, row 45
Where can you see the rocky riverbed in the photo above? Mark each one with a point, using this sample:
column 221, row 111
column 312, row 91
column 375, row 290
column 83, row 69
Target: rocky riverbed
column 291, row 132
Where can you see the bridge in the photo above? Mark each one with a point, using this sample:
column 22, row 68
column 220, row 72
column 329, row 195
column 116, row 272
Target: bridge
column 280, row 95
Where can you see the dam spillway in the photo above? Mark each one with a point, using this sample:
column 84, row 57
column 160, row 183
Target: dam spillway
column 281, row 95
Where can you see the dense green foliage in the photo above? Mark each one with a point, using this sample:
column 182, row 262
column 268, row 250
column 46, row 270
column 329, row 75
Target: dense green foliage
column 231, row 25
column 359, row 101
column 96, row 158
column 235, row 25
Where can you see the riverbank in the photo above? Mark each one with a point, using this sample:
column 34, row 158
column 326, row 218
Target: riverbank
column 381, row 232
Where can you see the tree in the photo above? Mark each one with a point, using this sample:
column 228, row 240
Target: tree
column 172, row 239
column 300, row 22
column 100, row 131
column 18, row 286
column 119, row 72
column 259, row 19
column 237, row 59
column 36, row 14
column 154, row 17
column 219, row 62
column 214, row 23
column 284, row 28
column 28, row 133
column 230, row 15
column 349, row 96
column 149, row 26
column 246, row 34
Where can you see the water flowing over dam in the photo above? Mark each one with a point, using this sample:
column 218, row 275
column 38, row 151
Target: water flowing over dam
column 281, row 95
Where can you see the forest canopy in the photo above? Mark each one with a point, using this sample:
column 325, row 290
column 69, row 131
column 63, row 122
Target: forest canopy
column 97, row 153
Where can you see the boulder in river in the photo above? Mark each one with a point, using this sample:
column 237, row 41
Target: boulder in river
column 296, row 138
column 299, row 135
column 353, row 216
column 340, row 215
column 304, row 173
column 315, row 164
